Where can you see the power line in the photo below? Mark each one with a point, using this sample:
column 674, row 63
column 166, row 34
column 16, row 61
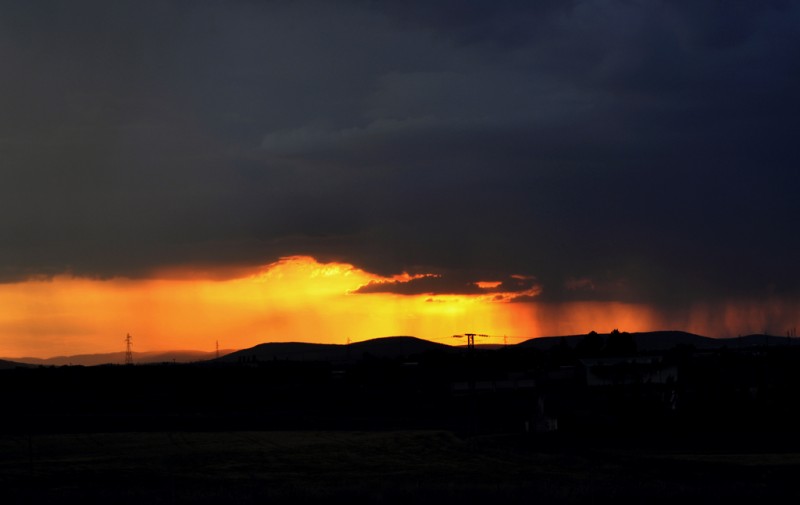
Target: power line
column 471, row 339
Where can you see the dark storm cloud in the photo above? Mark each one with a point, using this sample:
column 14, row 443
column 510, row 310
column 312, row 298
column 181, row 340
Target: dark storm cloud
column 632, row 151
column 455, row 283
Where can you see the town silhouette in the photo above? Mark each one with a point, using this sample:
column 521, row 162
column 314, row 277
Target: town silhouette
column 670, row 408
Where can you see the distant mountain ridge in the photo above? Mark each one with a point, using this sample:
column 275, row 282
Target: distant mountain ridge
column 663, row 340
column 179, row 356
column 387, row 347
column 10, row 365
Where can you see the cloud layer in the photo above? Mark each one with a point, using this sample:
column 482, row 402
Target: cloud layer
column 615, row 151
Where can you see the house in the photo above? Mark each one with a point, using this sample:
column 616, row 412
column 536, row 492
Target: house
column 612, row 371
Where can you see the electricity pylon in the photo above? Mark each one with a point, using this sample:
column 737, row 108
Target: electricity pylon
column 128, row 350
column 473, row 408
column 471, row 339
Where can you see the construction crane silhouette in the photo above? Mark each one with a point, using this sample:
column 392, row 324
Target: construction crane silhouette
column 470, row 339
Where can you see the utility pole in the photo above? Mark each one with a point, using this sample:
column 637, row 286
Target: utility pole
column 471, row 339
column 128, row 350
column 217, row 349
column 471, row 375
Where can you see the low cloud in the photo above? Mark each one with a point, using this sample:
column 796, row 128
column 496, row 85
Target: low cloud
column 508, row 289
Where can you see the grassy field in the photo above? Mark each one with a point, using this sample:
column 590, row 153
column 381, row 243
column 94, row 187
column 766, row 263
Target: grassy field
column 372, row 467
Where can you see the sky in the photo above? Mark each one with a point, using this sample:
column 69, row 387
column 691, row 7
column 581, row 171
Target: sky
column 246, row 171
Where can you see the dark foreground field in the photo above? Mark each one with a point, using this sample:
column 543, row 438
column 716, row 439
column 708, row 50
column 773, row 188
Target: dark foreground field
column 510, row 426
column 378, row 467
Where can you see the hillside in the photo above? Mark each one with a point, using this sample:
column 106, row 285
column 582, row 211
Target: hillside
column 386, row 347
column 663, row 340
column 9, row 365
column 180, row 356
column 645, row 341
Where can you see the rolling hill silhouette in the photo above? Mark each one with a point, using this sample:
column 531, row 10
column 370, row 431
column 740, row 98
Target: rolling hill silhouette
column 646, row 341
column 8, row 365
column 386, row 347
column 664, row 340
column 182, row 356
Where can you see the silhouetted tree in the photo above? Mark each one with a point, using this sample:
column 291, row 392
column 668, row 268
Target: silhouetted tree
column 590, row 345
column 620, row 344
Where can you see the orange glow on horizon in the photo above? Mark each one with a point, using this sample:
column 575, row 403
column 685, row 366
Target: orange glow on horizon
column 300, row 299
column 293, row 299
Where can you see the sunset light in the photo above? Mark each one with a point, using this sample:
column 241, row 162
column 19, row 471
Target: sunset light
column 207, row 172
column 300, row 299
column 294, row 299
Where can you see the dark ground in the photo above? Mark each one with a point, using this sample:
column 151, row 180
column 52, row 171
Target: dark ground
column 379, row 467
column 403, row 430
